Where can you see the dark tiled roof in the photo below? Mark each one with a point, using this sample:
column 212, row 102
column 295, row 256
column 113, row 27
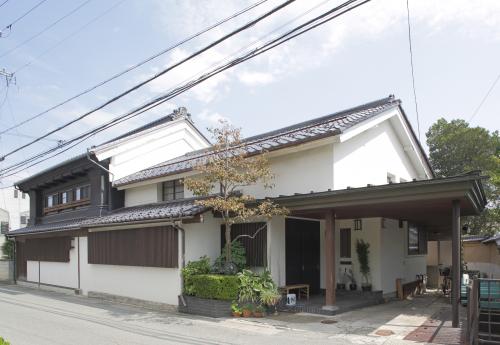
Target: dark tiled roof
column 72, row 224
column 293, row 135
column 157, row 211
column 162, row 210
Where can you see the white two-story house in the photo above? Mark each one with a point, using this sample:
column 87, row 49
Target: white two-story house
column 355, row 174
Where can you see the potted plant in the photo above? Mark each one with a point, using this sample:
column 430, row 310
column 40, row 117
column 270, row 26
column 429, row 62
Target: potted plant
column 247, row 310
column 235, row 309
column 363, row 251
column 270, row 297
column 259, row 311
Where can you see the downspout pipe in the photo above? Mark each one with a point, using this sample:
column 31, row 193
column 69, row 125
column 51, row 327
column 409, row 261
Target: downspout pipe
column 177, row 225
column 102, row 187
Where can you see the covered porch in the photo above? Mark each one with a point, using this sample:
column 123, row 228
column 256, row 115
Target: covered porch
column 435, row 205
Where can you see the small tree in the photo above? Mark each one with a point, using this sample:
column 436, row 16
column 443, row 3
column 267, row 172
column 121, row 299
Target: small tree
column 363, row 250
column 8, row 249
column 228, row 166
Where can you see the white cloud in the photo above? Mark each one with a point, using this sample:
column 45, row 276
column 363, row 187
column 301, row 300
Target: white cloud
column 368, row 22
column 212, row 118
column 255, row 78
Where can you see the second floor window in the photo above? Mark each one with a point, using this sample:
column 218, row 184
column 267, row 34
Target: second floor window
column 24, row 220
column 68, row 196
column 16, row 193
column 173, row 190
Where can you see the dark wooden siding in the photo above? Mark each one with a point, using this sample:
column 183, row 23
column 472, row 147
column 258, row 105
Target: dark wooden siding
column 256, row 249
column 151, row 247
column 54, row 249
column 21, row 263
column 345, row 243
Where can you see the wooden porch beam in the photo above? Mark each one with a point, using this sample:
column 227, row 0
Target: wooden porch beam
column 330, row 268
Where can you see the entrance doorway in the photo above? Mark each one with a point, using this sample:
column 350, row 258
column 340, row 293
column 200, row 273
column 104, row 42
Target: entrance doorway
column 302, row 245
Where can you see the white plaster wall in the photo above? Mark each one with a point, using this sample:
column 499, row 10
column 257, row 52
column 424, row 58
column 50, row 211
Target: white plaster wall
column 276, row 258
column 203, row 238
column 367, row 158
column 370, row 233
column 147, row 283
column 63, row 274
column 141, row 195
column 151, row 147
column 299, row 172
column 32, row 271
column 392, row 254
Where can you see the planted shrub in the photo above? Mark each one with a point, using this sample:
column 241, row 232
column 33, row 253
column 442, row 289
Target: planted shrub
column 214, row 286
column 238, row 257
column 194, row 268
column 3, row 341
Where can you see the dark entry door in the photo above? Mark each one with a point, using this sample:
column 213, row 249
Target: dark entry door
column 302, row 253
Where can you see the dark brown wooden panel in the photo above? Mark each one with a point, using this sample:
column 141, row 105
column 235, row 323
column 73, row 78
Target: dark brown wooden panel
column 345, row 243
column 55, row 249
column 256, row 248
column 21, row 262
column 150, row 247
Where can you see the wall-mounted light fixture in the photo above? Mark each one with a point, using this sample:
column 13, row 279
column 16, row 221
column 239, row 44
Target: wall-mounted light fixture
column 358, row 224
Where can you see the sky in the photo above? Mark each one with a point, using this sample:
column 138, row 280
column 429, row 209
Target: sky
column 354, row 59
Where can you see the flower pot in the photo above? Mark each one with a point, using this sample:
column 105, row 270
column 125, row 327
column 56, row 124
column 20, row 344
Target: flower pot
column 340, row 286
column 353, row 287
column 236, row 313
column 258, row 314
column 247, row 313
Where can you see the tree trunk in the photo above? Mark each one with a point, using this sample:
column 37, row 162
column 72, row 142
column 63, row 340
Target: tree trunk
column 228, row 243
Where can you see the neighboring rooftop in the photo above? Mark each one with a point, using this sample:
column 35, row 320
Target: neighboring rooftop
column 314, row 129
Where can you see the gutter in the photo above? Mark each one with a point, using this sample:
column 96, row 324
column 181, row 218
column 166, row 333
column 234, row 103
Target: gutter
column 183, row 258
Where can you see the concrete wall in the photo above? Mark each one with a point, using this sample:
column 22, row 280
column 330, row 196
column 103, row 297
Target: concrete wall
column 367, row 158
column 6, row 270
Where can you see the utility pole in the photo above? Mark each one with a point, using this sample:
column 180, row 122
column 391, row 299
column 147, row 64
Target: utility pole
column 9, row 77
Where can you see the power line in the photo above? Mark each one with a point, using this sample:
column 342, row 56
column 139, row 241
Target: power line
column 126, row 117
column 3, row 3
column 175, row 65
column 412, row 67
column 9, row 26
column 48, row 27
column 485, row 97
column 117, row 75
column 58, row 43
column 299, row 30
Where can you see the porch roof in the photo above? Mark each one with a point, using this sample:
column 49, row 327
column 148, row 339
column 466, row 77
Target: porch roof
column 427, row 202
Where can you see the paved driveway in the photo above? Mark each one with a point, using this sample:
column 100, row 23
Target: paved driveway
column 35, row 317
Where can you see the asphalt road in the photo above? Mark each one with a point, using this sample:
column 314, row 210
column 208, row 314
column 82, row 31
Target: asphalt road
column 35, row 317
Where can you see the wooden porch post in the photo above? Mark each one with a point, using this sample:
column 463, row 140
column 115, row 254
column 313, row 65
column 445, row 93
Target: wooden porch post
column 455, row 260
column 330, row 260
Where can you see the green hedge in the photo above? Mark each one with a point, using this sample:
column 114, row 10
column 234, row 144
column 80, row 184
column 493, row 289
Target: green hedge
column 3, row 341
column 214, row 286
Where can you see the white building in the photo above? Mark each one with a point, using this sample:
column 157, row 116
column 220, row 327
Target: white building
column 356, row 174
column 17, row 206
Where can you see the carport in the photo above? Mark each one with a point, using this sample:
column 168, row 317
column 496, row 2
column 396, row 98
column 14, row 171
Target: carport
column 436, row 204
